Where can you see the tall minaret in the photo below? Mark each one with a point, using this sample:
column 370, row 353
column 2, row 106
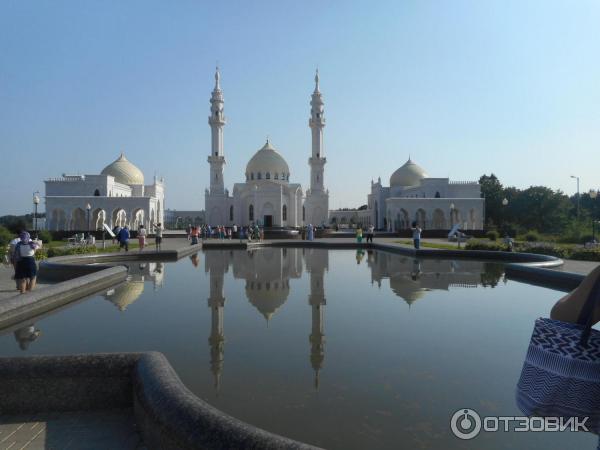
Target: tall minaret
column 317, row 123
column 216, row 121
column 317, row 198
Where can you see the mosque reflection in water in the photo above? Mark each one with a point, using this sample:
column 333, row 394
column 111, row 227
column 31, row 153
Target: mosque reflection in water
column 267, row 273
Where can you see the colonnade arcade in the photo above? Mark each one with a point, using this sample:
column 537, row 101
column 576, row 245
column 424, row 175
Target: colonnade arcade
column 76, row 219
column 436, row 219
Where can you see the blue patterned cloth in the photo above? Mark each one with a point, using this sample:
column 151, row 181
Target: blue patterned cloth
column 561, row 377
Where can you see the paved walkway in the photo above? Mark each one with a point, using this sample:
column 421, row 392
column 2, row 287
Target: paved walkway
column 81, row 430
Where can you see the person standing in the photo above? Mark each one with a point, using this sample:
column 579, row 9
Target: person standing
column 158, row 236
column 370, row 231
column 310, row 232
column 234, row 231
column 142, row 237
column 188, row 231
column 123, row 238
column 194, row 233
column 416, row 234
column 229, row 233
column 359, row 234
column 25, row 265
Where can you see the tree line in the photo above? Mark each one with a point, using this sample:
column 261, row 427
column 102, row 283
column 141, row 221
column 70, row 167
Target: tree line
column 547, row 211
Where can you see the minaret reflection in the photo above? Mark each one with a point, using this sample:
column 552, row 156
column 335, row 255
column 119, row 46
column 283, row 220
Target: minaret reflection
column 217, row 264
column 317, row 262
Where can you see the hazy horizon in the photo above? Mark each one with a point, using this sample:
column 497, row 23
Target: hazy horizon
column 464, row 88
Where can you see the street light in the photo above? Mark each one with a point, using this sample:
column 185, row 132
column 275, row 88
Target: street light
column 577, row 178
column 593, row 195
column 88, row 207
column 36, row 202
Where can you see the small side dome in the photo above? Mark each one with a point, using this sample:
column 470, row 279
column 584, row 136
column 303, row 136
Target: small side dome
column 410, row 174
column 269, row 164
column 124, row 171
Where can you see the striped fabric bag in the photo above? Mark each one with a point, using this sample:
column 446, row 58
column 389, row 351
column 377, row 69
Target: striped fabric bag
column 561, row 373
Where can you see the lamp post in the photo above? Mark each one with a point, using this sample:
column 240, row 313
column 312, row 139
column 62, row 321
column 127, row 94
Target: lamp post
column 504, row 205
column 578, row 197
column 451, row 215
column 36, row 202
column 88, row 208
column 593, row 195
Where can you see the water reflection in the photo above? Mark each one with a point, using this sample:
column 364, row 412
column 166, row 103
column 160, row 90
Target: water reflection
column 267, row 273
column 125, row 294
column 26, row 335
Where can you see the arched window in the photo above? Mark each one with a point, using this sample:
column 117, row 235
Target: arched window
column 437, row 194
column 96, row 193
column 282, row 176
column 251, row 212
column 284, row 212
column 303, row 213
column 268, row 175
column 252, row 176
column 259, row 176
column 216, row 176
column 231, row 212
column 277, row 176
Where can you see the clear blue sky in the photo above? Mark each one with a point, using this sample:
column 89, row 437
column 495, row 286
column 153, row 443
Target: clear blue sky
column 464, row 87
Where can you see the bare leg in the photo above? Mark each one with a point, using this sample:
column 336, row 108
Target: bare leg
column 31, row 283
column 567, row 309
column 22, row 285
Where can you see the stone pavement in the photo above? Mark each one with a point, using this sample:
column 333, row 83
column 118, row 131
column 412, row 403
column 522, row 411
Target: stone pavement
column 81, row 430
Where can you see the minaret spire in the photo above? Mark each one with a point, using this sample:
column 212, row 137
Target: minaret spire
column 217, row 79
column 317, row 80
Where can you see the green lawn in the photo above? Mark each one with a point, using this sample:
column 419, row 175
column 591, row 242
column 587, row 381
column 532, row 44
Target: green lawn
column 433, row 245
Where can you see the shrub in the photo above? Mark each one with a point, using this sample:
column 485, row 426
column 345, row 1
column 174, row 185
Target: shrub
column 58, row 251
column 586, row 255
column 45, row 236
column 477, row 244
column 492, row 235
column 545, row 249
column 532, row 236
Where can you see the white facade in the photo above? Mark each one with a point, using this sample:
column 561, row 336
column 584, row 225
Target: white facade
column 118, row 196
column 266, row 197
column 434, row 203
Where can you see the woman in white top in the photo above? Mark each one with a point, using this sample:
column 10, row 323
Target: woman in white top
column 25, row 265
column 142, row 237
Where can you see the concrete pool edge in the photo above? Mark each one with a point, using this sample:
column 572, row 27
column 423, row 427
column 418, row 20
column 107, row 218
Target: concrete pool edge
column 168, row 415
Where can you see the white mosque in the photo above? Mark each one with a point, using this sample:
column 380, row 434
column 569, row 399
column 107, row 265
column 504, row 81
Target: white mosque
column 413, row 196
column 118, row 196
column 266, row 197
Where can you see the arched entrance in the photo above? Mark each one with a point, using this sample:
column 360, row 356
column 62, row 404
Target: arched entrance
column 439, row 220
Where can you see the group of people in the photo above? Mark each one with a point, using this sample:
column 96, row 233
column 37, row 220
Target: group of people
column 21, row 253
column 368, row 235
column 122, row 236
column 251, row 233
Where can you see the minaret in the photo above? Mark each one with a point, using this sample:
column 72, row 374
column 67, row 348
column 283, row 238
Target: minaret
column 316, row 264
column 216, row 303
column 216, row 121
column 317, row 198
column 317, row 123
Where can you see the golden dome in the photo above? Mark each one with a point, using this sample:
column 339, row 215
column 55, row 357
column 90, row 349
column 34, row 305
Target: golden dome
column 124, row 172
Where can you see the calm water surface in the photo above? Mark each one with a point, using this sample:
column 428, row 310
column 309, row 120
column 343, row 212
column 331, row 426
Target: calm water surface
column 343, row 349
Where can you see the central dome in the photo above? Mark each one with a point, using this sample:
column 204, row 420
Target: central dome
column 410, row 174
column 124, row 172
column 267, row 164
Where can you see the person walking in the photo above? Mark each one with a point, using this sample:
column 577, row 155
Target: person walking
column 359, row 234
column 158, row 231
column 188, row 231
column 416, row 234
column 370, row 231
column 142, row 237
column 194, row 233
column 123, row 238
column 25, row 265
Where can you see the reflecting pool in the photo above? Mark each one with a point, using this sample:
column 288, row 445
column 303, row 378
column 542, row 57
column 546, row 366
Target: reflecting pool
column 343, row 349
